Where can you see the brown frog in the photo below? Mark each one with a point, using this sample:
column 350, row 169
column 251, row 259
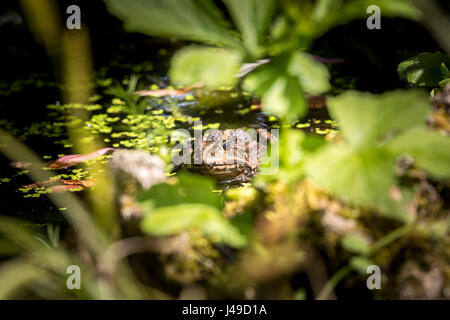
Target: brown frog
column 230, row 156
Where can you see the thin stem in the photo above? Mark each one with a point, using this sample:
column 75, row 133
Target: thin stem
column 332, row 283
column 390, row 237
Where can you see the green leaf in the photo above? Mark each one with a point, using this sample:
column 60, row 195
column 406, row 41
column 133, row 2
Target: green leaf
column 252, row 18
column 172, row 220
column 430, row 150
column 363, row 177
column 195, row 20
column 444, row 82
column 424, row 69
column 365, row 118
column 173, row 208
column 354, row 243
column 312, row 75
column 314, row 18
column 285, row 99
column 291, row 155
column 445, row 73
column 282, row 94
column 189, row 189
column 393, row 8
column 261, row 79
column 360, row 264
column 211, row 67
column 359, row 176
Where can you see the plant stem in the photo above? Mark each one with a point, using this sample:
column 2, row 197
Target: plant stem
column 390, row 237
column 332, row 283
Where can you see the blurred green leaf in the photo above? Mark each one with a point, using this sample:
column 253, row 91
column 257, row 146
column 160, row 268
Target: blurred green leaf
column 444, row 82
column 196, row 20
column 363, row 176
column 360, row 264
column 261, row 79
column 15, row 232
column 16, row 276
column 291, row 154
column 294, row 148
column 285, row 99
column 430, row 150
column 314, row 18
column 173, row 208
column 252, row 18
column 355, row 243
column 445, row 73
column 365, row 118
column 189, row 189
column 281, row 93
column 211, row 67
column 425, row 69
column 282, row 84
column 243, row 223
column 435, row 230
column 378, row 129
column 312, row 75
column 175, row 219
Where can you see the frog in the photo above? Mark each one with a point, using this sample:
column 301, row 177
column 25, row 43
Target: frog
column 231, row 156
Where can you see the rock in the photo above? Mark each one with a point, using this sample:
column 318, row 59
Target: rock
column 145, row 168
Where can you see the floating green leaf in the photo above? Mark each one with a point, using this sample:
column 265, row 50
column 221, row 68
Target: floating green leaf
column 211, row 67
column 425, row 69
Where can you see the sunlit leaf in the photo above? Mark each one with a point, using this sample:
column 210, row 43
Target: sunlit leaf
column 430, row 150
column 261, row 79
column 364, row 118
column 425, row 69
column 281, row 92
column 197, row 20
column 312, row 75
column 291, row 154
column 362, row 177
column 252, row 18
column 175, row 219
column 211, row 67
column 285, row 99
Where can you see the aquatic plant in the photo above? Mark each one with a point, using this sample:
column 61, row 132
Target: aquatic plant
column 426, row 69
